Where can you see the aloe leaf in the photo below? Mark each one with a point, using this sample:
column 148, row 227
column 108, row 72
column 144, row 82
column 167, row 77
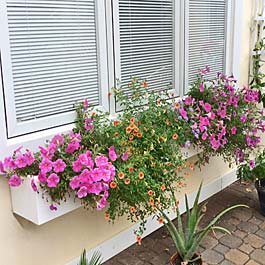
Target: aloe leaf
column 222, row 229
column 96, row 259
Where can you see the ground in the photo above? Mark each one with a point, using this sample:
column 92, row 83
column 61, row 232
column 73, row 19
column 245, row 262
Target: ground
column 246, row 245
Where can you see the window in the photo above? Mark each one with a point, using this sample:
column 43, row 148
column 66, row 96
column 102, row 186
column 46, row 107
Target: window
column 52, row 61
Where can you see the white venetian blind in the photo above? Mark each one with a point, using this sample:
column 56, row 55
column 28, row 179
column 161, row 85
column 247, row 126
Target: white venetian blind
column 206, row 36
column 53, row 55
column 147, row 41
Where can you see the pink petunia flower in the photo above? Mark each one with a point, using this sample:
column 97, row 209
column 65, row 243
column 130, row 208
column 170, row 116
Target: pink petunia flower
column 33, row 185
column 42, row 178
column 58, row 140
column 71, row 147
column 14, row 181
column 125, row 156
column 204, row 136
column 21, row 161
column 74, row 183
column 53, row 180
column 83, row 159
column 29, row 158
column 82, row 192
column 85, row 104
column 77, row 166
column 1, row 167
column 101, row 161
column 53, row 207
column 201, row 87
column 112, row 155
column 59, row 166
column 45, row 165
column 188, row 100
column 233, row 130
column 252, row 164
column 207, row 107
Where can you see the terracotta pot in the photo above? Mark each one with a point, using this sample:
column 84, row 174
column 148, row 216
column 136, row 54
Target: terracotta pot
column 260, row 186
column 175, row 257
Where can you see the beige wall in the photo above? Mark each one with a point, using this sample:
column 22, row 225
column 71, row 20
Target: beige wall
column 61, row 240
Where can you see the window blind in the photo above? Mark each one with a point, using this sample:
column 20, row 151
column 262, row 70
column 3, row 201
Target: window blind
column 206, row 36
column 146, row 29
column 53, row 54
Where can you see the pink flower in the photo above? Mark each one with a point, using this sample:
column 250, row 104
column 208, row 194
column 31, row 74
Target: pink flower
column 125, row 156
column 9, row 163
column 83, row 159
column 89, row 154
column 101, row 161
column 59, row 166
column 53, row 207
column 204, row 136
column 201, row 87
column 14, row 181
column 33, row 185
column 243, row 118
column 89, row 124
column 207, row 107
column 42, row 178
column 29, row 158
column 71, row 147
column 18, row 149
column 188, row 100
column 21, row 161
column 77, row 166
column 252, row 164
column 96, row 174
column 53, row 180
column 106, row 175
column 183, row 113
column 102, row 203
column 85, row 177
column 75, row 137
column 82, row 192
column 74, row 183
column 85, row 104
column 1, row 167
column 45, row 153
column 58, row 140
column 112, row 155
column 45, row 165
column 52, row 148
column 214, row 142
column 233, row 130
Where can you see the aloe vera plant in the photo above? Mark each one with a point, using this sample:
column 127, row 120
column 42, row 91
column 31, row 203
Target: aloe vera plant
column 188, row 239
column 96, row 259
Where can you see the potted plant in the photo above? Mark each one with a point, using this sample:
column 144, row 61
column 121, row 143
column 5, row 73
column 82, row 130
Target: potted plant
column 254, row 170
column 95, row 259
column 188, row 239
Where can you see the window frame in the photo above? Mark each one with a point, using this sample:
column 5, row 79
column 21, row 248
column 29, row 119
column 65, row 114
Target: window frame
column 16, row 128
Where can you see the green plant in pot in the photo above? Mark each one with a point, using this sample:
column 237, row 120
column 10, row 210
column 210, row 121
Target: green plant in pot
column 96, row 259
column 254, row 170
column 188, row 238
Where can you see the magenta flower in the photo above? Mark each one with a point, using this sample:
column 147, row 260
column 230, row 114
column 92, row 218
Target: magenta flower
column 183, row 113
column 53, row 207
column 85, row 177
column 233, row 130
column 33, row 185
column 89, row 124
column 112, row 155
column 75, row 137
column 58, row 140
column 85, row 104
column 207, row 107
column 243, row 118
column 71, row 147
column 45, row 165
column 83, row 159
column 1, row 167
column 125, row 156
column 201, row 87
column 102, row 203
column 77, row 166
column 89, row 154
column 204, row 136
column 53, row 180
column 252, row 164
column 82, row 192
column 14, row 181
column 29, row 158
column 101, row 161
column 96, row 174
column 74, row 183
column 59, row 166
column 21, row 161
column 42, row 178
column 106, row 174
column 188, row 100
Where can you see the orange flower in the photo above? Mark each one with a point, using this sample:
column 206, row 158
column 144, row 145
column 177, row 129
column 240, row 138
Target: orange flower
column 141, row 175
column 152, row 201
column 131, row 137
column 113, row 185
column 161, row 220
column 116, row 123
column 94, row 114
column 175, row 136
column 121, row 175
column 145, row 84
column 132, row 209
column 130, row 169
column 136, row 129
column 127, row 181
column 177, row 203
column 139, row 240
column 139, row 134
column 191, row 167
column 109, row 94
column 132, row 120
column 128, row 130
column 150, row 193
column 168, row 164
column 116, row 134
column 163, row 187
column 158, row 102
column 107, row 216
column 132, row 126
column 177, row 105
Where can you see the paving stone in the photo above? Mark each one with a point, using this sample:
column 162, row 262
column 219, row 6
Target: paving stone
column 221, row 248
column 258, row 255
column 242, row 214
column 237, row 256
column 261, row 233
column 233, row 221
column 231, row 241
column 209, row 242
column 262, row 225
column 160, row 259
column 246, row 248
column 212, row 256
column 248, row 227
column 240, row 234
column 254, row 241
column 227, row 262
column 256, row 221
column 252, row 262
column 128, row 259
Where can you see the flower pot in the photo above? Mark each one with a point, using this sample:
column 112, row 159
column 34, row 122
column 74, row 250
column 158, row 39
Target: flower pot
column 260, row 186
column 175, row 259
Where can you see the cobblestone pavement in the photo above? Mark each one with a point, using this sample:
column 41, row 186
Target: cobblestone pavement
column 246, row 245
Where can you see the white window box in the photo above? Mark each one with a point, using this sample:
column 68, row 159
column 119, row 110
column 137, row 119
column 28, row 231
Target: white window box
column 35, row 207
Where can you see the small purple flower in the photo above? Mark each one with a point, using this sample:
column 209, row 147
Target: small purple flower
column 252, row 164
column 33, row 185
column 53, row 207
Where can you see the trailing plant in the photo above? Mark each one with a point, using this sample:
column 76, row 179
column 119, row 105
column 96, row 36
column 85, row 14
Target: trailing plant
column 96, row 259
column 224, row 120
column 187, row 237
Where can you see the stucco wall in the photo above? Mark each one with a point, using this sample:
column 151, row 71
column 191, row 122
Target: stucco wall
column 61, row 240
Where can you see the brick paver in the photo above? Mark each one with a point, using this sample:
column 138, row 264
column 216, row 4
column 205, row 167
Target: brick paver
column 245, row 246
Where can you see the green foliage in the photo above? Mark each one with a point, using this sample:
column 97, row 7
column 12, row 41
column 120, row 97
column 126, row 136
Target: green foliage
column 187, row 239
column 96, row 259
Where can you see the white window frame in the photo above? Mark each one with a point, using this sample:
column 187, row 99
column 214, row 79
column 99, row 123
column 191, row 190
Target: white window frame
column 33, row 140
column 16, row 128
